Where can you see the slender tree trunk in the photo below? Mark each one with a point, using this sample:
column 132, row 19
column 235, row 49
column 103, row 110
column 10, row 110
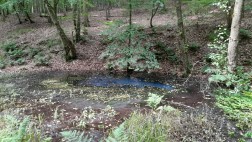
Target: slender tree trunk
column 17, row 14
column 182, row 38
column 229, row 15
column 65, row 7
column 129, row 71
column 243, row 9
column 76, row 19
column 108, row 15
column 86, row 19
column 70, row 51
column 153, row 13
column 3, row 15
column 234, row 36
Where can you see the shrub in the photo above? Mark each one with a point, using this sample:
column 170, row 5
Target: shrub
column 120, row 55
column 201, row 124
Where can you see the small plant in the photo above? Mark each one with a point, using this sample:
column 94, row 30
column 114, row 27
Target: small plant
column 20, row 61
column 118, row 134
column 248, row 135
column 41, row 60
column 153, row 100
column 33, row 52
column 9, row 46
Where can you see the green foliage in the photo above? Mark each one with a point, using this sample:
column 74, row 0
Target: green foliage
column 121, row 54
column 13, row 50
column 9, row 46
column 239, row 80
column 33, row 52
column 248, row 135
column 41, row 60
column 154, row 100
column 198, row 125
column 75, row 136
column 14, row 130
column 118, row 134
column 236, row 107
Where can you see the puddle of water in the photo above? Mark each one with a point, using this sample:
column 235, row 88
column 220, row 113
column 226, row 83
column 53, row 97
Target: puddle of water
column 109, row 81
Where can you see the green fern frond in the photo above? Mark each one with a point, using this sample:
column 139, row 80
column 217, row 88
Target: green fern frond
column 75, row 136
column 22, row 129
column 118, row 135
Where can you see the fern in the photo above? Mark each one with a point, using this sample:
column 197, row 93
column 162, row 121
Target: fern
column 75, row 136
column 118, row 135
column 23, row 129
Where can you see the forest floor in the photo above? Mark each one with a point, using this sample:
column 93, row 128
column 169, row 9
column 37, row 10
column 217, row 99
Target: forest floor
column 43, row 35
column 55, row 83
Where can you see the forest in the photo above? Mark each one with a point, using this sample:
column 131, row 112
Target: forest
column 125, row 70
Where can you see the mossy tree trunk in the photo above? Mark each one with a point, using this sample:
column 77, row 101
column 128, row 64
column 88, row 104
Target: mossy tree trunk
column 86, row 13
column 70, row 51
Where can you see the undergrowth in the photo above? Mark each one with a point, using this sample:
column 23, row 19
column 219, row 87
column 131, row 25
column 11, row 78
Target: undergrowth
column 176, row 126
column 18, row 54
column 238, row 108
column 15, row 130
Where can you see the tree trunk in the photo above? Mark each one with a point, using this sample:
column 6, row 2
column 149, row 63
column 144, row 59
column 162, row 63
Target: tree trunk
column 70, row 51
column 86, row 20
column 229, row 15
column 234, row 36
column 182, row 38
column 65, row 8
column 3, row 15
column 129, row 71
column 76, row 19
column 153, row 13
column 108, row 15
column 28, row 17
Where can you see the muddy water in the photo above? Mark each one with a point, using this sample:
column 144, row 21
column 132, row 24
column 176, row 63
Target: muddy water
column 95, row 102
